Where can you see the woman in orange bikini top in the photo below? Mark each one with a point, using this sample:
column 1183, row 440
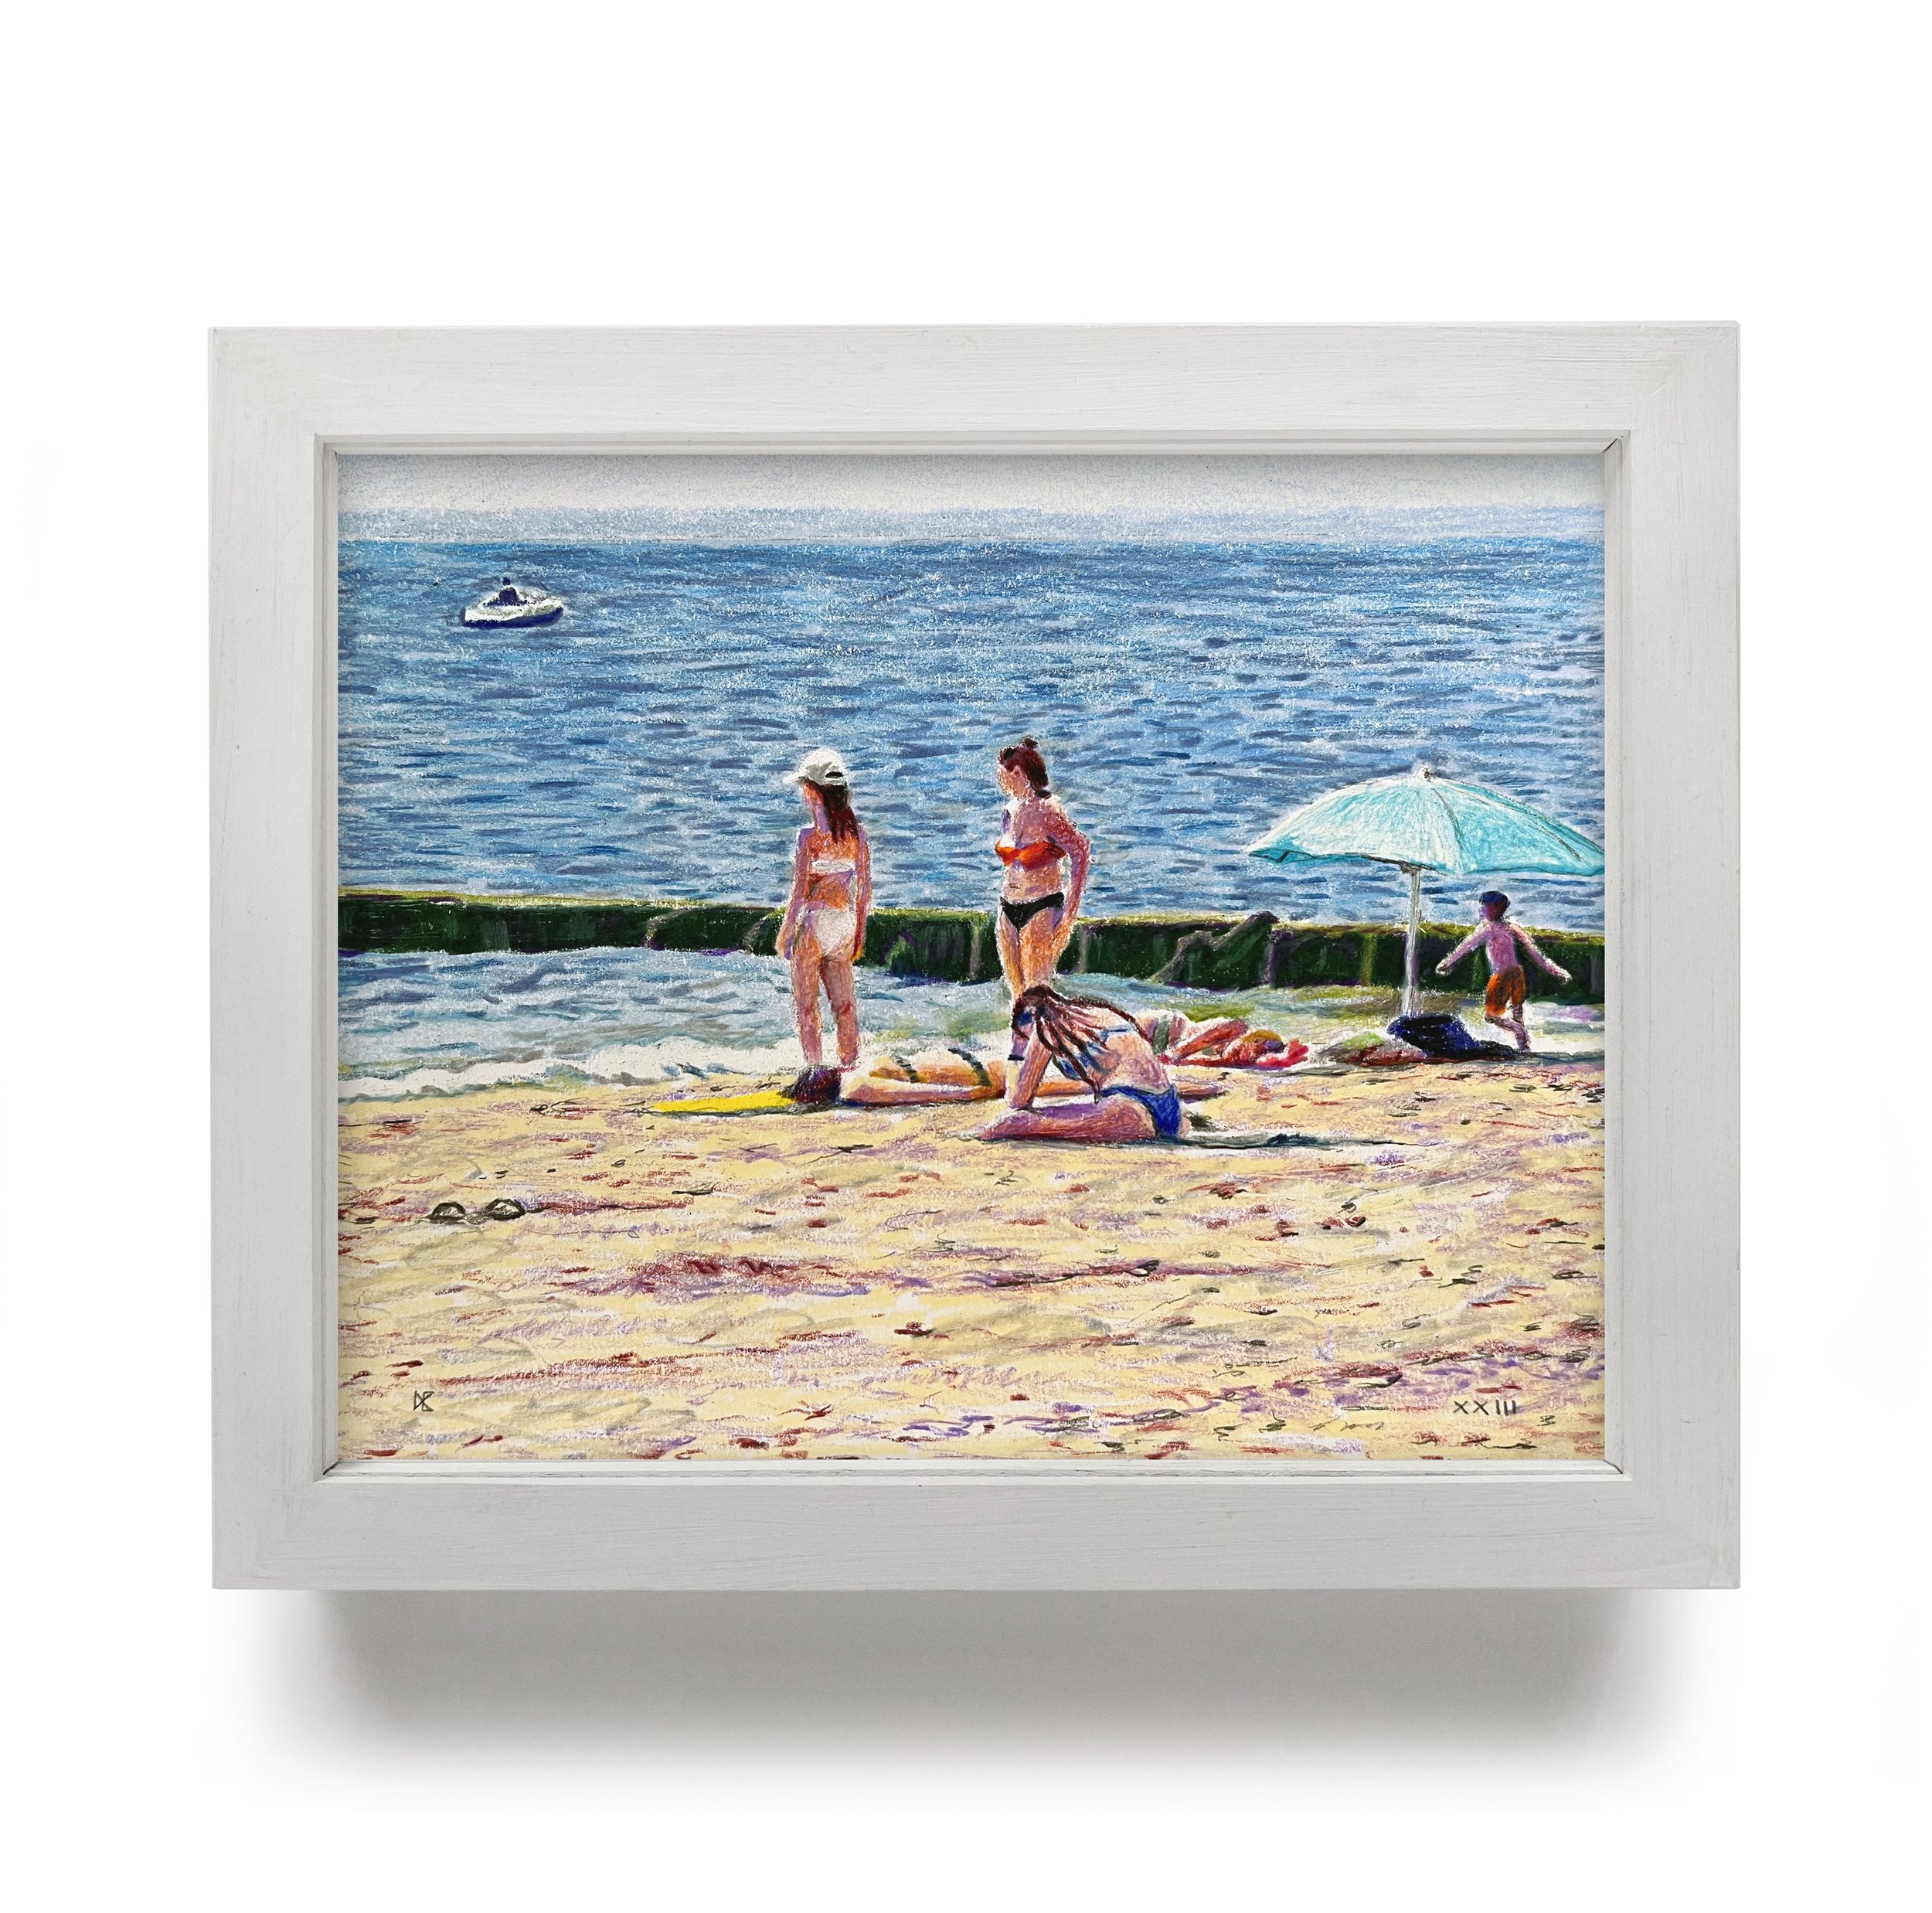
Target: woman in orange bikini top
column 1038, row 903
column 1028, row 856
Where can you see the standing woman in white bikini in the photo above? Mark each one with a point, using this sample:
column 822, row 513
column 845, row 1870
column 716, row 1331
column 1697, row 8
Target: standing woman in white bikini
column 824, row 932
column 1046, row 860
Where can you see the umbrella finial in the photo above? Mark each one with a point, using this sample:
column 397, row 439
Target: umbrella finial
column 1423, row 771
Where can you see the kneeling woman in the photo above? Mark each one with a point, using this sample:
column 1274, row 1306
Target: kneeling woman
column 1094, row 1042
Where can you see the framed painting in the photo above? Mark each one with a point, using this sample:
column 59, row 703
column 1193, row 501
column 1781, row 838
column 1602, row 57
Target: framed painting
column 979, row 958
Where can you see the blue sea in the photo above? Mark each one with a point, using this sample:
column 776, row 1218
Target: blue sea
column 1185, row 696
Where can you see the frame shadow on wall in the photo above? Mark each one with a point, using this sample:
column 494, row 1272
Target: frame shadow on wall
column 1286, row 1672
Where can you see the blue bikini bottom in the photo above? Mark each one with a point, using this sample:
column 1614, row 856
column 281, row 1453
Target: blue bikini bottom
column 1164, row 1107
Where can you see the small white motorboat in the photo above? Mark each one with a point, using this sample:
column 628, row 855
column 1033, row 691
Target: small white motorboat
column 512, row 604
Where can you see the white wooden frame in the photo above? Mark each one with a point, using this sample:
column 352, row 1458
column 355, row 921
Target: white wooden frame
column 1659, row 403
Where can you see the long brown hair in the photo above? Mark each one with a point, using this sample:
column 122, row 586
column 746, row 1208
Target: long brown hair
column 1024, row 756
column 1069, row 1026
column 841, row 819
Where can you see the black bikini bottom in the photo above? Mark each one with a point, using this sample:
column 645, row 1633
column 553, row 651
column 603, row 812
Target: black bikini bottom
column 1018, row 913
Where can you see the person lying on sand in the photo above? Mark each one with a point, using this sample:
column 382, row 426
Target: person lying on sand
column 956, row 1075
column 1222, row 1042
column 951, row 1075
column 1095, row 1044
column 1502, row 1001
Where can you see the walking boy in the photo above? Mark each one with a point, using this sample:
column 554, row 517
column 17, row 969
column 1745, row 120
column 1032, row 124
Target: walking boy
column 1502, row 1001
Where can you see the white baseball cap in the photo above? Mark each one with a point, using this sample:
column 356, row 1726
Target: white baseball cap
column 822, row 766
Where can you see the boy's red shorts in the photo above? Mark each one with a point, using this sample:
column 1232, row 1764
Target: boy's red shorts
column 1504, row 992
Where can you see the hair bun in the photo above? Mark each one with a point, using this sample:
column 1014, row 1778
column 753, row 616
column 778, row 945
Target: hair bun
column 1032, row 743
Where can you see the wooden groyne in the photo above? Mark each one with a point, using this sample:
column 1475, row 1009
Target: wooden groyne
column 1205, row 952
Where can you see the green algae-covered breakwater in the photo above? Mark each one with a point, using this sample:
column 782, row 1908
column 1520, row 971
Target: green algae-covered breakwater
column 1192, row 952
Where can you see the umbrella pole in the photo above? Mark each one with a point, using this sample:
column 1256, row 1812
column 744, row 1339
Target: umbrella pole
column 1410, row 954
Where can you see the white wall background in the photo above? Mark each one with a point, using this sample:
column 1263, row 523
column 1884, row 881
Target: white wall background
column 170, row 168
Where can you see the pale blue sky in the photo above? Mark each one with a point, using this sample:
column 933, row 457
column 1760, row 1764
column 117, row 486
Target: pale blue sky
column 720, row 499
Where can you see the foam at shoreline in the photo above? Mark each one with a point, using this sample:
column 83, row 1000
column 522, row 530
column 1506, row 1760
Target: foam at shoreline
column 434, row 1025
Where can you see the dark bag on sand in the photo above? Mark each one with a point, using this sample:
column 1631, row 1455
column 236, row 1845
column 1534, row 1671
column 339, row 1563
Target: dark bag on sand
column 1444, row 1040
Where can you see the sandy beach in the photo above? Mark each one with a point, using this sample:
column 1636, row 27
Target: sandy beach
column 870, row 1283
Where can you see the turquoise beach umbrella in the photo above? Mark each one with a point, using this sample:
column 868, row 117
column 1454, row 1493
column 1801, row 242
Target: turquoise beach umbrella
column 1424, row 822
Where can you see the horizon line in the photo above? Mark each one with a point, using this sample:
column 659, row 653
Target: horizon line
column 1560, row 525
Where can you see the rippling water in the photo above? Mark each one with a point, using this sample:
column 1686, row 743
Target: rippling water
column 1186, row 694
